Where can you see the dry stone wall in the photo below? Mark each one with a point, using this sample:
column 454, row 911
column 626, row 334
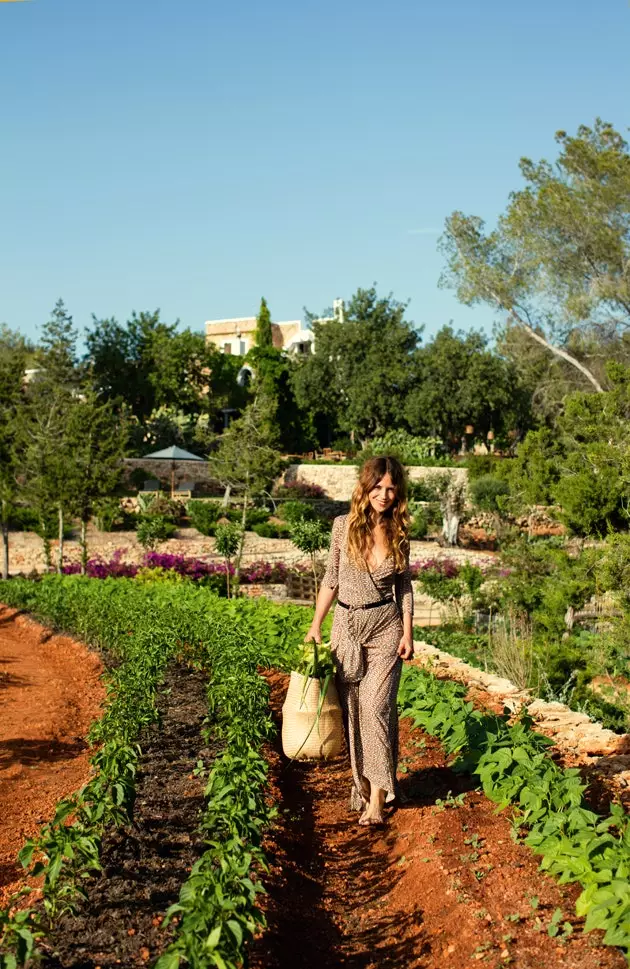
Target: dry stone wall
column 573, row 733
column 339, row 480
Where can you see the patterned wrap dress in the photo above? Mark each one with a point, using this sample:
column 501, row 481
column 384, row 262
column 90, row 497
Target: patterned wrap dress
column 369, row 706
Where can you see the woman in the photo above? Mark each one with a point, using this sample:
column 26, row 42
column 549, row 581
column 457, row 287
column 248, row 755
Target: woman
column 368, row 572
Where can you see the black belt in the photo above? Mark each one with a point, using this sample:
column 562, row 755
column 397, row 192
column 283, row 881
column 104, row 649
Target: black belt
column 368, row 605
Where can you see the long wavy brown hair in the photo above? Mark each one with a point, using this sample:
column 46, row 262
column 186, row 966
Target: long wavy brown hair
column 363, row 518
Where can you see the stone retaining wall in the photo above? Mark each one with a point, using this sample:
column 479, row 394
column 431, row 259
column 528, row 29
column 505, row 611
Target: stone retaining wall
column 573, row 733
column 339, row 480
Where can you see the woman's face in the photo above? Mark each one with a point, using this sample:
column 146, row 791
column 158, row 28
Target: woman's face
column 383, row 494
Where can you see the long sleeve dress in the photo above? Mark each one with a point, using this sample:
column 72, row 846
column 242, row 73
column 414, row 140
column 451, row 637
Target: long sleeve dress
column 369, row 706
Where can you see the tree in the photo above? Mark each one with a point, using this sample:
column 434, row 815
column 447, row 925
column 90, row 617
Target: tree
column 584, row 464
column 359, row 373
column 41, row 443
column 228, row 541
column 58, row 349
column 247, row 460
column 149, row 365
column 42, row 438
column 273, row 382
column 13, row 354
column 451, row 492
column 264, row 330
column 95, row 444
column 557, row 263
column 459, row 381
column 310, row 537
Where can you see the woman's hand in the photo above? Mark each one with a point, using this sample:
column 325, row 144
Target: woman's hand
column 314, row 635
column 405, row 648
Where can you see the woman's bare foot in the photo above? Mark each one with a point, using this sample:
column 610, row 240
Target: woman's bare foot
column 373, row 814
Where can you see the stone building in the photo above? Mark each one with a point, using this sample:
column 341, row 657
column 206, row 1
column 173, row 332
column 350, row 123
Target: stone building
column 236, row 336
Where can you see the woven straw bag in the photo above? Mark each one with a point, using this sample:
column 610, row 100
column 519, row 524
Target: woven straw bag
column 305, row 736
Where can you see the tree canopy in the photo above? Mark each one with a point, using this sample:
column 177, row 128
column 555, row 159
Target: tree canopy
column 458, row 380
column 358, row 376
column 558, row 260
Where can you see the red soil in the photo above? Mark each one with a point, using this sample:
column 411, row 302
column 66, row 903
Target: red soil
column 50, row 692
column 443, row 886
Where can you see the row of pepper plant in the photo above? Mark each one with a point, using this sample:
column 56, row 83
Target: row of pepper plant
column 140, row 628
column 511, row 762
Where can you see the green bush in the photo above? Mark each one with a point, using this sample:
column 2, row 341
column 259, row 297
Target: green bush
column 271, row 530
column 153, row 530
column 422, row 491
column 293, row 511
column 410, row 450
column 419, row 525
column 27, row 520
column 487, row 491
column 203, row 516
column 108, row 514
column 590, row 498
column 480, row 465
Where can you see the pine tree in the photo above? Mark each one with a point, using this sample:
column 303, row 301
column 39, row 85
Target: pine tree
column 95, row 444
column 58, row 345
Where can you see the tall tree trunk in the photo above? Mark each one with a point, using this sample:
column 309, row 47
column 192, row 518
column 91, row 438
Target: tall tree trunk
column 46, row 544
column 450, row 526
column 83, row 541
column 314, row 568
column 557, row 351
column 5, row 542
column 60, row 553
column 227, row 577
column 241, row 544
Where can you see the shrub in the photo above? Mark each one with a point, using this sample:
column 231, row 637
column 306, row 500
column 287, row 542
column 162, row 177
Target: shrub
column 422, row 491
column 419, row 525
column 487, row 491
column 590, row 497
column 203, row 516
column 264, row 572
column 153, row 530
column 271, row 530
column 108, row 514
column 410, row 450
column 480, row 465
column 98, row 568
column 299, row 489
column 27, row 520
column 292, row 511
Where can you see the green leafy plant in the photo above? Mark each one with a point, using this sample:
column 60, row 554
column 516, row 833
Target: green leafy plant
column 310, row 537
column 228, row 539
column 203, row 515
column 510, row 761
column 151, row 531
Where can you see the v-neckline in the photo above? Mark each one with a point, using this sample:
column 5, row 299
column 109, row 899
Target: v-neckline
column 380, row 564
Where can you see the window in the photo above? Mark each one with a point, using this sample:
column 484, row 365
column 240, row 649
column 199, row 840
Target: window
column 227, row 347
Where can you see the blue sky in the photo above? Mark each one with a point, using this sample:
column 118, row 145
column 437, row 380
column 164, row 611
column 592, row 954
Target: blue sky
column 196, row 155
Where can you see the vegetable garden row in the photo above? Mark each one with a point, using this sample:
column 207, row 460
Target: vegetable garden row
column 145, row 631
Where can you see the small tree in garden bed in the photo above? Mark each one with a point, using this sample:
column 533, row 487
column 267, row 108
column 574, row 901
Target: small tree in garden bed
column 154, row 530
column 227, row 542
column 310, row 537
column 247, row 461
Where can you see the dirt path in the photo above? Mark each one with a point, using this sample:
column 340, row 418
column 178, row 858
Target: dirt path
column 442, row 887
column 50, row 692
